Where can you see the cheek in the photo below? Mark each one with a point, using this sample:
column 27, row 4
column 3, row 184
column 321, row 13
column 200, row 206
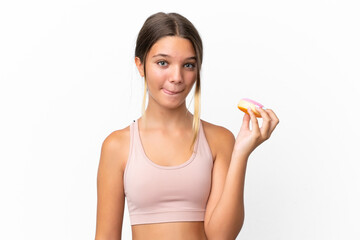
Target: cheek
column 191, row 78
column 156, row 74
column 155, row 80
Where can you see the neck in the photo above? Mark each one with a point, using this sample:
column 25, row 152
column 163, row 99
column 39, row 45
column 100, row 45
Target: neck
column 159, row 117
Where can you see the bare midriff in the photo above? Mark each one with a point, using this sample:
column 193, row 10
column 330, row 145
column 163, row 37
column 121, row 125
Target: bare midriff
column 170, row 230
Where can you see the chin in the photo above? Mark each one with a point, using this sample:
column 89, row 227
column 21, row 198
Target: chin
column 172, row 104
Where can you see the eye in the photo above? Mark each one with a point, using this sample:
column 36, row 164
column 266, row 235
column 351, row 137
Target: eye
column 162, row 63
column 190, row 65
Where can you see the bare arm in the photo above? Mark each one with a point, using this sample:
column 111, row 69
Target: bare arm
column 225, row 209
column 110, row 188
column 225, row 212
column 227, row 217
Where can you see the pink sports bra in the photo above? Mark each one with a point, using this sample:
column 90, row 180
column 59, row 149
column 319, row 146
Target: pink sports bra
column 157, row 194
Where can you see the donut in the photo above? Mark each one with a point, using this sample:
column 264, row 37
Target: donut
column 245, row 103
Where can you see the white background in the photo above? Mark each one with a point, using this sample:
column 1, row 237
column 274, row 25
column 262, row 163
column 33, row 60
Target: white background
column 68, row 80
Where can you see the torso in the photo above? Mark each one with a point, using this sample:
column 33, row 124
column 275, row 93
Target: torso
column 177, row 230
column 162, row 231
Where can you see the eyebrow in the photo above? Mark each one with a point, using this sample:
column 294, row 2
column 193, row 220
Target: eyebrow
column 165, row 55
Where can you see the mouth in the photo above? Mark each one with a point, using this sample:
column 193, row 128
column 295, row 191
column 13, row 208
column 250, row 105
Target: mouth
column 172, row 92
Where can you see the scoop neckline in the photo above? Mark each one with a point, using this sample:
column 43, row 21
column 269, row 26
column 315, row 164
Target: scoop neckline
column 187, row 162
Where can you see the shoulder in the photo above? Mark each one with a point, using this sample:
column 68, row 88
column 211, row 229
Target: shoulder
column 218, row 131
column 115, row 147
column 220, row 139
column 117, row 137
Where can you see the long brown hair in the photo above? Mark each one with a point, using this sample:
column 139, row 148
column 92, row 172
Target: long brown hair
column 161, row 25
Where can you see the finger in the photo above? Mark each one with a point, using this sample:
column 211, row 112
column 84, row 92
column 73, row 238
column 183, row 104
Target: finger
column 254, row 121
column 246, row 122
column 274, row 119
column 265, row 128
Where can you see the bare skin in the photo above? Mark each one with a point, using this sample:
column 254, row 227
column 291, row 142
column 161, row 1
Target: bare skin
column 170, row 76
column 177, row 231
column 113, row 162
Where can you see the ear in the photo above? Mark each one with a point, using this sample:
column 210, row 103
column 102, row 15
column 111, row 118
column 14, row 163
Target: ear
column 139, row 66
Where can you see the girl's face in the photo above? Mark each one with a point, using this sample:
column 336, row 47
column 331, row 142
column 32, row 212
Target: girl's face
column 171, row 71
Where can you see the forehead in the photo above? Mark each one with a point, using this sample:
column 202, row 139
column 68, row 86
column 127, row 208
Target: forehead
column 173, row 46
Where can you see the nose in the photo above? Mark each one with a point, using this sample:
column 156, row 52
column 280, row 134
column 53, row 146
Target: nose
column 176, row 75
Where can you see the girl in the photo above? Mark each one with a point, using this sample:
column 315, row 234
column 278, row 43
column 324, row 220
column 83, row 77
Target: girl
column 183, row 177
